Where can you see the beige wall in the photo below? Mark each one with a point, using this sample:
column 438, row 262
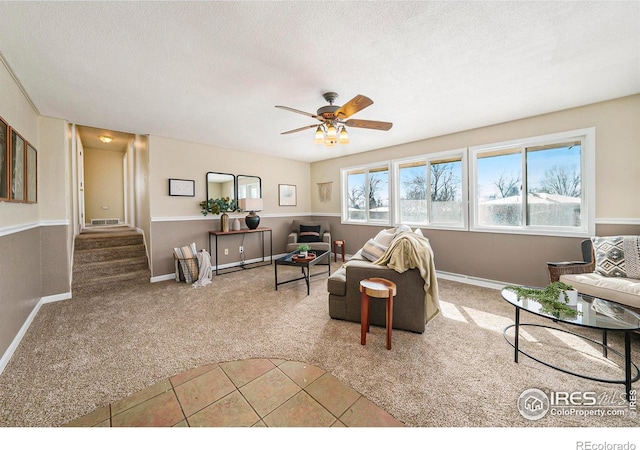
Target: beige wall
column 516, row 258
column 104, row 184
column 177, row 221
column 34, row 238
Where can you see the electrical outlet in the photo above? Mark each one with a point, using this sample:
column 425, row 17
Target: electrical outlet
column 241, row 249
column 226, row 251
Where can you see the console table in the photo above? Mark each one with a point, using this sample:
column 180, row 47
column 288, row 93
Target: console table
column 242, row 266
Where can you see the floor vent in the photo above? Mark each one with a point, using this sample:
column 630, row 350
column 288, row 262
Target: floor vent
column 105, row 221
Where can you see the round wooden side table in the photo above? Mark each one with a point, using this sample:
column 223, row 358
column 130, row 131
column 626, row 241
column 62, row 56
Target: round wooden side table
column 376, row 288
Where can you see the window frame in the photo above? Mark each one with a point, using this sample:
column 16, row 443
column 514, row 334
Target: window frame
column 344, row 191
column 586, row 136
column 428, row 159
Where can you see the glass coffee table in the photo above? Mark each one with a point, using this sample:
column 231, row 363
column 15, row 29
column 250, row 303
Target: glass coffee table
column 304, row 264
column 594, row 313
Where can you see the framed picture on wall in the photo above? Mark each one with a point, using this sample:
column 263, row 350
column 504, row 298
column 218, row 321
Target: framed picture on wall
column 17, row 167
column 287, row 195
column 182, row 188
column 4, row 160
column 32, row 174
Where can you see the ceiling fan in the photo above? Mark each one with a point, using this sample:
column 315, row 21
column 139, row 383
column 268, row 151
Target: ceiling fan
column 335, row 118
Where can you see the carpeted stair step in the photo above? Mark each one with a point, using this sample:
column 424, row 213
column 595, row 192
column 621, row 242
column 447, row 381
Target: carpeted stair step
column 110, row 283
column 88, row 271
column 93, row 255
column 101, row 240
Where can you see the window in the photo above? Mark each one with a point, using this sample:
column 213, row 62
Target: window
column 440, row 202
column 542, row 185
column 366, row 194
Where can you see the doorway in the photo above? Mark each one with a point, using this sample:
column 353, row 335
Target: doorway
column 102, row 171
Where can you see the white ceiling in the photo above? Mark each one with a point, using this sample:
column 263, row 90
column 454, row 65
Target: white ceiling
column 212, row 72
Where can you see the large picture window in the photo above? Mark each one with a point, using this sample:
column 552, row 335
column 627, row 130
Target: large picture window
column 541, row 185
column 366, row 194
column 431, row 190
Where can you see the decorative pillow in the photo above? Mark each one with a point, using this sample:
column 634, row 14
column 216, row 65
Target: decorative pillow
column 402, row 228
column 373, row 250
column 309, row 233
column 617, row 256
column 186, row 263
column 418, row 231
column 385, row 237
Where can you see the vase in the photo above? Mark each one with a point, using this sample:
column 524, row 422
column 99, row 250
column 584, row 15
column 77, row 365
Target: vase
column 572, row 295
column 252, row 220
column 236, row 225
column 224, row 222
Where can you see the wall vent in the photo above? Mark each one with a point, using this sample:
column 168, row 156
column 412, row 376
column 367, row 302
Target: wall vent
column 105, row 221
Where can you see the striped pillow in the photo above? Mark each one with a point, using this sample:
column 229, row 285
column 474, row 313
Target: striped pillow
column 309, row 233
column 186, row 263
column 373, row 250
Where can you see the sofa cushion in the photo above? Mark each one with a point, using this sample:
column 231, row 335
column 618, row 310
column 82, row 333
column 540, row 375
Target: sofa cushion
column 385, row 237
column 309, row 233
column 337, row 284
column 373, row 250
column 617, row 256
column 625, row 291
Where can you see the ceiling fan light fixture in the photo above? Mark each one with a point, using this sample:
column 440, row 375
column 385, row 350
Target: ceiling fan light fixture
column 332, row 133
column 344, row 136
column 319, row 135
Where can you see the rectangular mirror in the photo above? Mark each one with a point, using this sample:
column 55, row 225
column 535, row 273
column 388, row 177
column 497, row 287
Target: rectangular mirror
column 249, row 187
column 221, row 185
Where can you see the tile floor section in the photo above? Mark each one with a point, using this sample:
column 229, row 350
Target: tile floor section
column 248, row 393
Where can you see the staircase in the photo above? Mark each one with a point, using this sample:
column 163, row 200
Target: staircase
column 108, row 258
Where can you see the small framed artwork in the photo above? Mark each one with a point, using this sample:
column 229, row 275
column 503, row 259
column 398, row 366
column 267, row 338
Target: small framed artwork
column 287, row 195
column 182, row 188
column 32, row 174
column 17, row 167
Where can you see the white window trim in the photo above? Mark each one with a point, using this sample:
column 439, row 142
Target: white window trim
column 428, row 157
column 588, row 175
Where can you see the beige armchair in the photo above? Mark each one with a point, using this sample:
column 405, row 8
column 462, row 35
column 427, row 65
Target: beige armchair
column 323, row 229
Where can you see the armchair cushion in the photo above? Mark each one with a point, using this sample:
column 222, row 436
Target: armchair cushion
column 309, row 233
column 617, row 256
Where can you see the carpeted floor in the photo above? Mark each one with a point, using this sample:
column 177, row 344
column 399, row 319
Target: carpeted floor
column 84, row 353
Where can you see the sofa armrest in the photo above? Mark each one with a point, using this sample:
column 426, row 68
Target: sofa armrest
column 568, row 267
column 292, row 238
column 326, row 237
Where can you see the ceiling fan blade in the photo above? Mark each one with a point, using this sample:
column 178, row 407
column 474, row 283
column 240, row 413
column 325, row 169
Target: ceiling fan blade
column 300, row 129
column 357, row 103
column 300, row 112
column 373, row 124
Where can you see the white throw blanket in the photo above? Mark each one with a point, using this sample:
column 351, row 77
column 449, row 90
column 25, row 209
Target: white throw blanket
column 411, row 251
column 204, row 264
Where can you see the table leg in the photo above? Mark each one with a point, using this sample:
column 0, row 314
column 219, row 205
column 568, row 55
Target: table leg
column 604, row 343
column 276, row 272
column 515, row 340
column 307, row 277
column 364, row 318
column 389, row 319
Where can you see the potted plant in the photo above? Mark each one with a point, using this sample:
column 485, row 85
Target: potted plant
column 303, row 250
column 219, row 205
column 556, row 299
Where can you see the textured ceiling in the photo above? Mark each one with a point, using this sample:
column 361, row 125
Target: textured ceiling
column 212, row 72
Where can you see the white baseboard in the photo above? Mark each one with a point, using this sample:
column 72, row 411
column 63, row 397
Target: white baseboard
column 475, row 281
column 27, row 323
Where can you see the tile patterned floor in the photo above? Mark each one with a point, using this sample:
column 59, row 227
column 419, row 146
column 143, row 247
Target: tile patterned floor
column 248, row 393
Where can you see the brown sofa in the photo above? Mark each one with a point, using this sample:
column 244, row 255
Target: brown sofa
column 409, row 303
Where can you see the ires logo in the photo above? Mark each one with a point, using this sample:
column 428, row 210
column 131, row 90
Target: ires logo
column 573, row 398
